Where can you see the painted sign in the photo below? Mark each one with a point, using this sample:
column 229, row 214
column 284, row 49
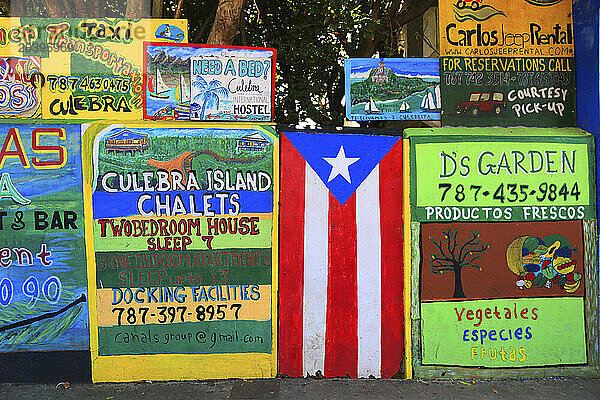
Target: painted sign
column 507, row 63
column 521, row 333
column 341, row 280
column 521, row 178
column 500, row 91
column 523, row 259
column 512, row 267
column 208, row 83
column 20, row 87
column 91, row 68
column 183, row 240
column 506, row 28
column 43, row 284
column 392, row 89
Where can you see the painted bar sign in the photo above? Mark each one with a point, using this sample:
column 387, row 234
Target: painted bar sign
column 507, row 63
column 183, row 247
column 507, row 177
column 482, row 288
column 208, row 83
column 392, row 89
column 43, row 285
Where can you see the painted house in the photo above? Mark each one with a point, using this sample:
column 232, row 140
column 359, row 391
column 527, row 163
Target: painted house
column 254, row 142
column 382, row 74
column 127, row 141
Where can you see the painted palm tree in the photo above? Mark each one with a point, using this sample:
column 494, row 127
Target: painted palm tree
column 210, row 94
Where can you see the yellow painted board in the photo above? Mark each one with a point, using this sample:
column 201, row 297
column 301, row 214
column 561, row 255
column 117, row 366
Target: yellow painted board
column 140, row 306
column 407, row 262
column 132, row 367
column 92, row 68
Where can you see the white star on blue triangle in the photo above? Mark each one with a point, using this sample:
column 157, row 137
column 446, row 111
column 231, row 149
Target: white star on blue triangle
column 339, row 165
column 342, row 161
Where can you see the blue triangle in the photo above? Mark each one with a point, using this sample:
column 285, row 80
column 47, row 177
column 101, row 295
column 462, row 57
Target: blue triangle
column 315, row 147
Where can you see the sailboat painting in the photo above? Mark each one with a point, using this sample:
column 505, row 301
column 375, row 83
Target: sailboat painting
column 197, row 82
column 157, row 87
column 392, row 89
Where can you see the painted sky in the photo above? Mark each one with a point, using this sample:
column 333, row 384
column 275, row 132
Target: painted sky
column 360, row 67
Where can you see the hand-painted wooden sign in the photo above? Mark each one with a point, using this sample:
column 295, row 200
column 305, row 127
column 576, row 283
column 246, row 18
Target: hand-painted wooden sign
column 504, row 251
column 208, row 83
column 503, row 91
column 502, row 333
column 506, row 28
column 514, row 267
column 82, row 68
column 501, row 67
column 341, row 278
column 521, row 178
column 183, row 240
column 43, row 285
column 20, row 87
column 392, row 89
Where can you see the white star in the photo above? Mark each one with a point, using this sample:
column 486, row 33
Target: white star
column 340, row 165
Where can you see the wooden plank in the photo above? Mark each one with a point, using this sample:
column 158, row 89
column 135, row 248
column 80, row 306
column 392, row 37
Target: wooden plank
column 590, row 238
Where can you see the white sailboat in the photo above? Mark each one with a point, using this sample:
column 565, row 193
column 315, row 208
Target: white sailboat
column 371, row 108
column 182, row 94
column 404, row 107
column 158, row 87
column 432, row 100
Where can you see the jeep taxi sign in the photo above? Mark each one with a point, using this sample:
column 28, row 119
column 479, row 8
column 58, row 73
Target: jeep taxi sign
column 507, row 63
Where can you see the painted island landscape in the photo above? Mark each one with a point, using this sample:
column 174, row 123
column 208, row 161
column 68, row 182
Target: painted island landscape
column 392, row 89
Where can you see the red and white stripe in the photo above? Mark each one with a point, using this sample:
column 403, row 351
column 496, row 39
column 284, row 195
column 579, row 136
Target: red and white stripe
column 341, row 272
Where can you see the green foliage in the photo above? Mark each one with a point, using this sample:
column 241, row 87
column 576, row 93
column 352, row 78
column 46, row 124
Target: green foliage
column 312, row 38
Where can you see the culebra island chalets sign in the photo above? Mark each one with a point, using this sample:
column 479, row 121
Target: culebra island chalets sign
column 183, row 247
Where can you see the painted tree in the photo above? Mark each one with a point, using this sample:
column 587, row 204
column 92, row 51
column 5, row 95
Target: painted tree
column 210, row 94
column 451, row 254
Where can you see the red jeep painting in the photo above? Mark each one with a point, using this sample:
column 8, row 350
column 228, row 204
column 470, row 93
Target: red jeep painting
column 482, row 101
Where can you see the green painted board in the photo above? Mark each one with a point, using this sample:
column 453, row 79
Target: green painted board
column 501, row 178
column 504, row 333
column 186, row 338
column 507, row 91
column 183, row 268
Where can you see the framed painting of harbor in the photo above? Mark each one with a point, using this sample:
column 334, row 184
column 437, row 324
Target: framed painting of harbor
column 392, row 89
column 208, row 83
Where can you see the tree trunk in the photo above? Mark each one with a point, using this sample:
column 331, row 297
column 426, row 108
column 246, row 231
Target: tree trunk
column 157, row 8
column 227, row 22
column 458, row 289
column 137, row 9
column 53, row 9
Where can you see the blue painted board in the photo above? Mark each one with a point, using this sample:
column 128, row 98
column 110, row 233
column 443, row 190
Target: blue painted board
column 392, row 89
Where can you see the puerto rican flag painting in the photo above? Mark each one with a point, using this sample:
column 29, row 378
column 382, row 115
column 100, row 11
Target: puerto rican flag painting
column 341, row 266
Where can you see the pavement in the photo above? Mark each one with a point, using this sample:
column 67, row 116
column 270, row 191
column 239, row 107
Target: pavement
column 323, row 389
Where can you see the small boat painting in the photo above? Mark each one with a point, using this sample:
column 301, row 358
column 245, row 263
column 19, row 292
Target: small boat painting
column 157, row 87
